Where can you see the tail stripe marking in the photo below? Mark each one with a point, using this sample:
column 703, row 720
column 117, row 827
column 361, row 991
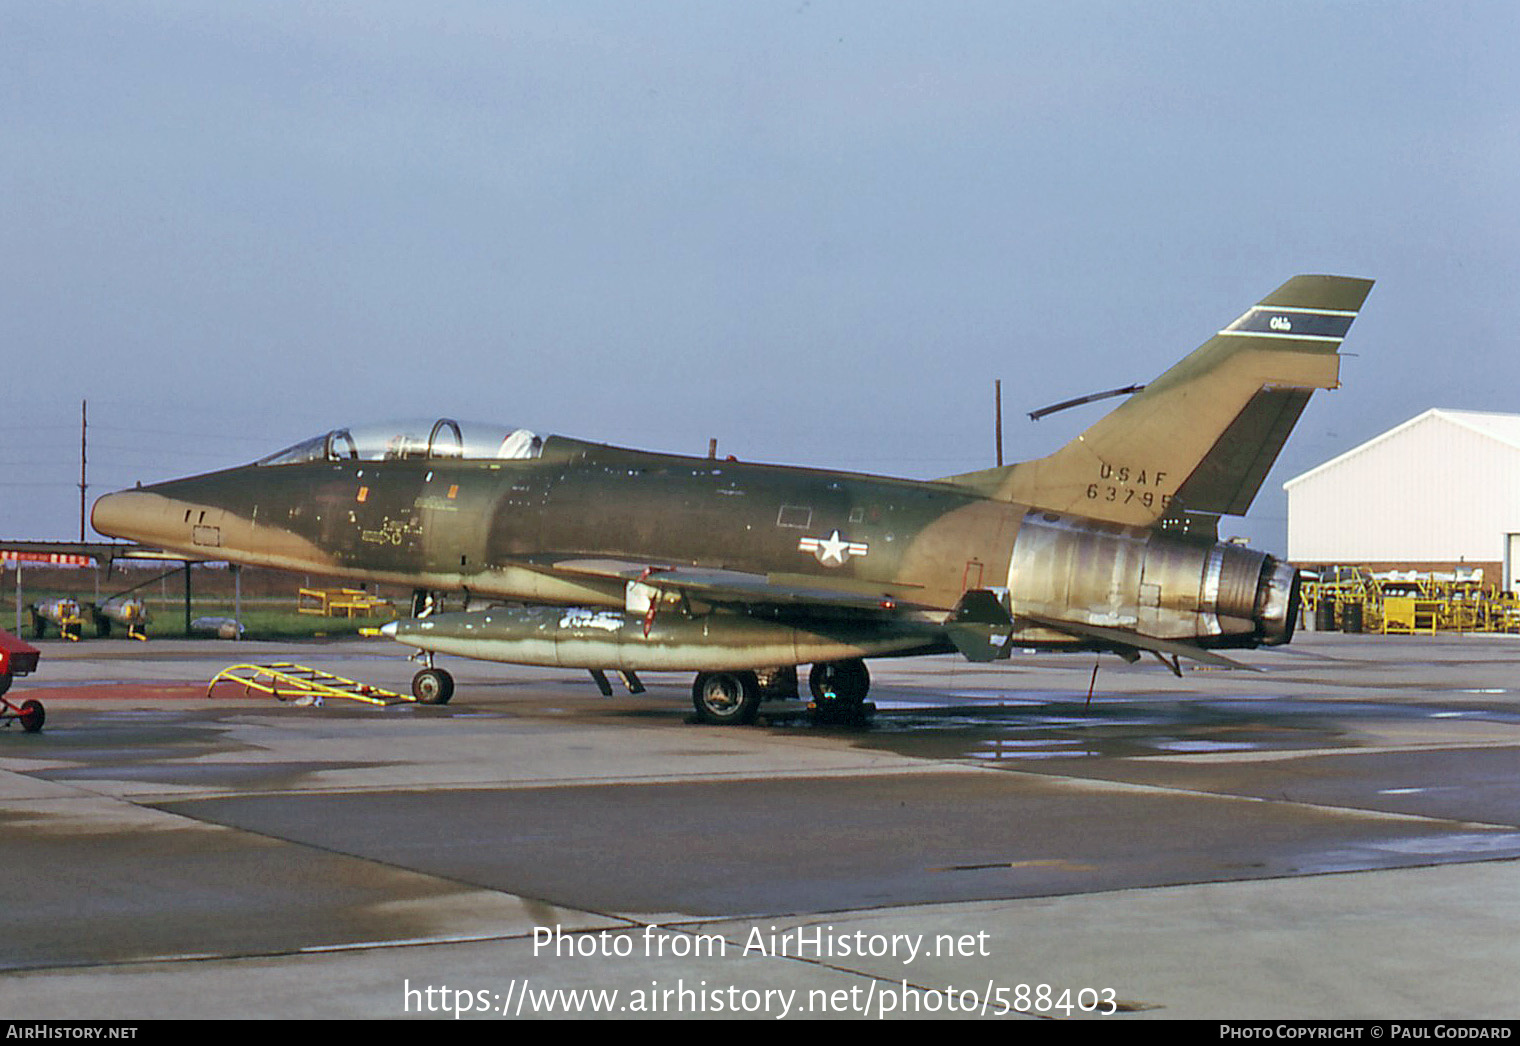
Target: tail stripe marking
column 1274, row 321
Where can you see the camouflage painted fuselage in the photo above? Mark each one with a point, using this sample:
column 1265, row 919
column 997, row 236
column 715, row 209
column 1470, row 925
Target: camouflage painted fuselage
column 568, row 527
column 496, row 528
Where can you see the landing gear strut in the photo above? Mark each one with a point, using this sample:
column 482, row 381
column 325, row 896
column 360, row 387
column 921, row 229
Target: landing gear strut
column 839, row 692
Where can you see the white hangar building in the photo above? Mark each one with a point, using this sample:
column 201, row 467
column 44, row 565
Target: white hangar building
column 1438, row 493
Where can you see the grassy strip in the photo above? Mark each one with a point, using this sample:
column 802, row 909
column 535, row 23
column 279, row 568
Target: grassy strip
column 262, row 619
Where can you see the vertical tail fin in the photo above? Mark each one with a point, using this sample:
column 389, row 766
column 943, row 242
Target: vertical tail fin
column 1201, row 437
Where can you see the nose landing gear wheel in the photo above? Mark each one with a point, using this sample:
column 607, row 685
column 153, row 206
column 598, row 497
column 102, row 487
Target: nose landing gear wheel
column 432, row 686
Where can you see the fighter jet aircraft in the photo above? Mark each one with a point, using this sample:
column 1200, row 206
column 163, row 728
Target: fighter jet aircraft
column 625, row 560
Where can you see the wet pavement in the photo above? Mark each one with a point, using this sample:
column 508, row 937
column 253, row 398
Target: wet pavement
column 1355, row 804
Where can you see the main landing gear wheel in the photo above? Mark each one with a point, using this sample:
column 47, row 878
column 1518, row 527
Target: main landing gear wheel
column 839, row 691
column 32, row 716
column 726, row 698
column 433, row 686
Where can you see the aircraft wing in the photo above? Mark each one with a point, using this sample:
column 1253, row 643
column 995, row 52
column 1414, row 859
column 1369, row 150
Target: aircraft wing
column 800, row 592
column 718, row 585
column 99, row 551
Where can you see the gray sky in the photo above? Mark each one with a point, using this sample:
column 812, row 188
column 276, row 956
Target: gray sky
column 816, row 230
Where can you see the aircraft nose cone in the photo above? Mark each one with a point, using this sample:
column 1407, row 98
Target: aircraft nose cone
column 126, row 514
column 402, row 630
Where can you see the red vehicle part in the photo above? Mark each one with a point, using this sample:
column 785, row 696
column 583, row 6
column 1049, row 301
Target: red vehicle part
column 18, row 658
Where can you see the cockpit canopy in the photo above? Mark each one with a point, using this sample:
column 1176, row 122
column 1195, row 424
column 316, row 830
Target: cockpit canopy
column 397, row 440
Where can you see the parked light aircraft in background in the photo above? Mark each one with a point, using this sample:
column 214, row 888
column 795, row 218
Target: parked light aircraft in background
column 624, row 560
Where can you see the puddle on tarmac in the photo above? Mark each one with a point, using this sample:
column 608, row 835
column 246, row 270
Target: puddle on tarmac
column 205, row 775
column 992, row 726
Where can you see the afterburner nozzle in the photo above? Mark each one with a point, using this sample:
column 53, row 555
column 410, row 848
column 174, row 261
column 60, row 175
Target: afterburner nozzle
column 1277, row 602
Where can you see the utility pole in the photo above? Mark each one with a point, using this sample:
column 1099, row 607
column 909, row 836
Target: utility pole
column 83, row 429
column 997, row 398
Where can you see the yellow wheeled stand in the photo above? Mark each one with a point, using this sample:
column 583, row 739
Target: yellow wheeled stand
column 288, row 681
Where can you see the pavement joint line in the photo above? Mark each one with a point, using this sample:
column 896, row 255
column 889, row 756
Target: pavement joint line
column 1301, row 753
column 1103, row 785
column 157, row 800
column 442, row 940
column 538, row 784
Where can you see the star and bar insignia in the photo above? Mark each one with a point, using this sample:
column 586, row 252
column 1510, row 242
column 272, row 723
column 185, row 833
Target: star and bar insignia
column 833, row 550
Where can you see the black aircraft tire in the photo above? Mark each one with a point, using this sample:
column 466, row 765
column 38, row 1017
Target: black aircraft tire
column 847, row 682
column 839, row 691
column 726, row 698
column 32, row 716
column 432, row 686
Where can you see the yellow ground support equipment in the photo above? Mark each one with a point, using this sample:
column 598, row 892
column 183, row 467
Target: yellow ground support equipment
column 289, row 682
column 1409, row 615
column 1355, row 600
column 342, row 602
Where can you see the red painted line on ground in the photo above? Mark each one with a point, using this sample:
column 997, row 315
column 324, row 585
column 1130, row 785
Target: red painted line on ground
column 113, row 692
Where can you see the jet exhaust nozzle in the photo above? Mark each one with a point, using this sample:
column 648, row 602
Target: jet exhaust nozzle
column 1159, row 585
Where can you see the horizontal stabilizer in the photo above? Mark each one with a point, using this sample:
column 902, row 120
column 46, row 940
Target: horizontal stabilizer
column 1120, row 640
column 979, row 643
column 980, row 606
